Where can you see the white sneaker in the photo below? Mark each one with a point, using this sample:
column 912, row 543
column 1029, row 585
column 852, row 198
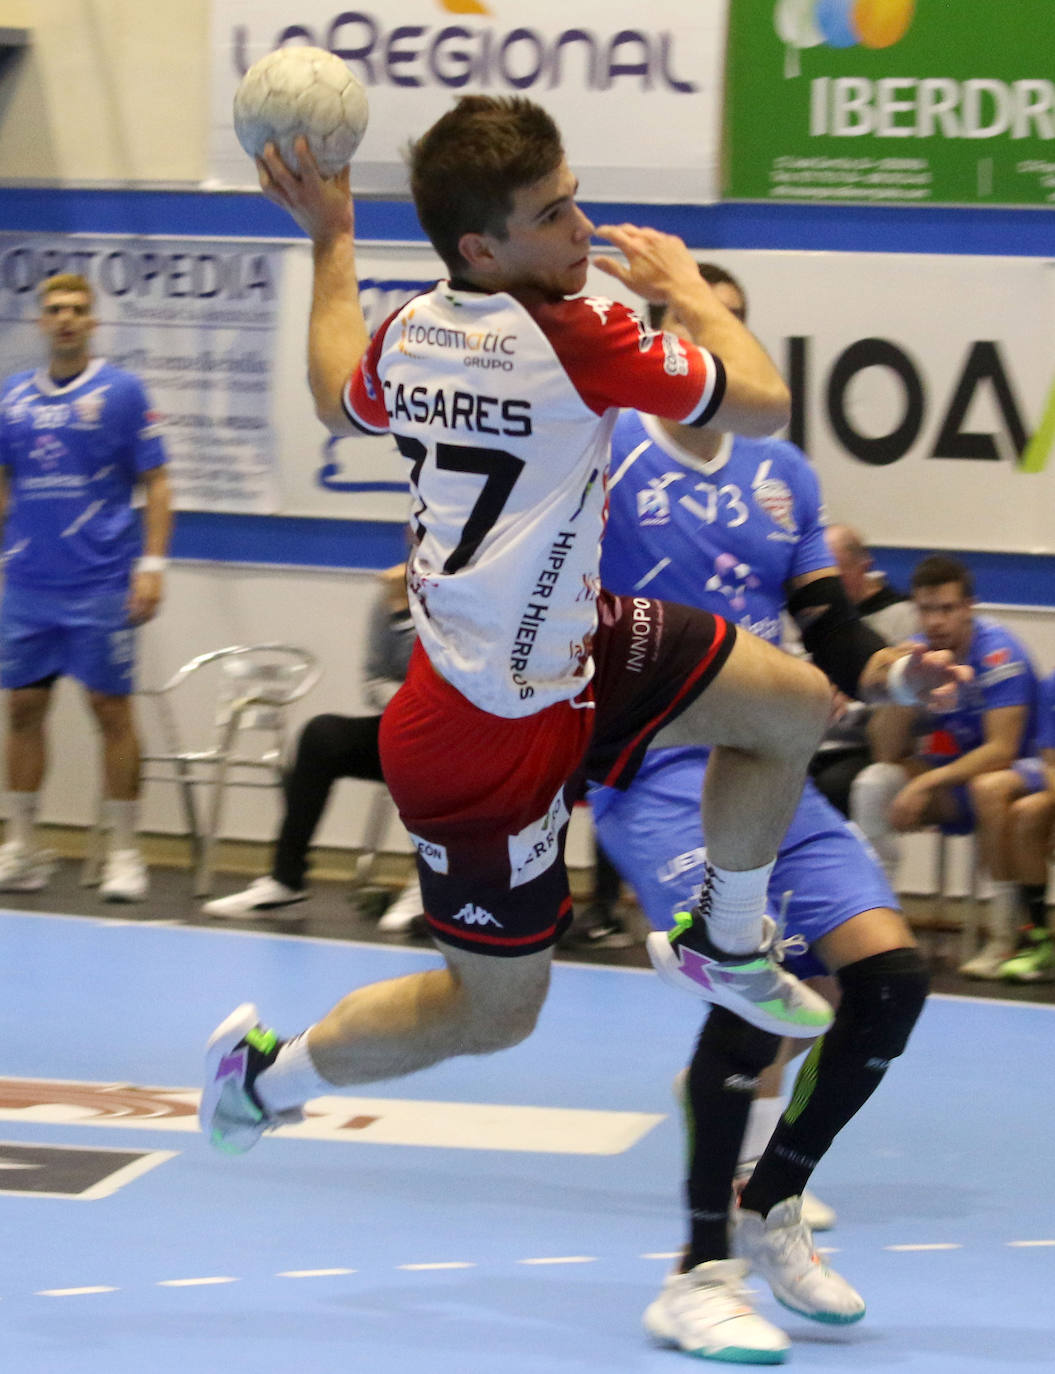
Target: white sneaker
column 989, row 959
column 817, row 1215
column 23, row 869
column 780, row 1248
column 261, row 896
column 124, row 877
column 404, row 911
column 706, row 1313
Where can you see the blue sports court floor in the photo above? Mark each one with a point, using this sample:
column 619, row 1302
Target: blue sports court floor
column 510, row 1214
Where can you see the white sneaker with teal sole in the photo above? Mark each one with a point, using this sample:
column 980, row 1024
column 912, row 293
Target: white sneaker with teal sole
column 779, row 1248
column 753, row 986
column 706, row 1313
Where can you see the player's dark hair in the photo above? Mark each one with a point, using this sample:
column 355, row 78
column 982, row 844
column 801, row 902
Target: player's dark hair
column 65, row 281
column 465, row 169
column 714, row 276
column 938, row 569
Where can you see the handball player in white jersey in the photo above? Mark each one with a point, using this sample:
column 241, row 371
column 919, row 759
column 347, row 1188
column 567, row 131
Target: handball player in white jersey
column 501, row 392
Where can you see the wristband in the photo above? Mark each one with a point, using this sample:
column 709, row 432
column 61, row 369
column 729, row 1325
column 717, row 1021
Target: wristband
column 152, row 562
column 897, row 688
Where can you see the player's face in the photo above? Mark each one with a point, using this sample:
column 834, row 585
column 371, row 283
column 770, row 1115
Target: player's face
column 67, row 322
column 945, row 616
column 729, row 296
column 547, row 238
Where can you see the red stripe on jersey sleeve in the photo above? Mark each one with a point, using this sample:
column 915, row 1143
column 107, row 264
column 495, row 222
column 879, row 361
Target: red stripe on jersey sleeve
column 614, row 359
column 363, row 396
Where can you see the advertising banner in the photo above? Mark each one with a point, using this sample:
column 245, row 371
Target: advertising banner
column 196, row 320
column 923, row 389
column 891, row 101
column 635, row 89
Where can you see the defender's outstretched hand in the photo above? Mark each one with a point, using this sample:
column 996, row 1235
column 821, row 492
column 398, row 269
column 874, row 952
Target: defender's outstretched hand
column 931, row 676
column 322, row 206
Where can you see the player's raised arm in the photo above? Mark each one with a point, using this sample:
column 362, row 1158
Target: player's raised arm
column 660, row 268
column 337, row 333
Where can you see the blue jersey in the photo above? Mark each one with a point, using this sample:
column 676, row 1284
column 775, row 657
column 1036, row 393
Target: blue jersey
column 1046, row 713
column 727, row 535
column 72, row 455
column 1003, row 676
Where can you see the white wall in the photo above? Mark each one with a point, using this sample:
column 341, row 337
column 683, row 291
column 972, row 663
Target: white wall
column 109, row 90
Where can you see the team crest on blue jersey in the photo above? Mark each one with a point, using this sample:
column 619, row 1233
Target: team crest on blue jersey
column 89, row 407
column 774, row 497
column 653, row 504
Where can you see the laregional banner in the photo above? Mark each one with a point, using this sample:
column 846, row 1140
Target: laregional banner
column 891, row 101
column 636, row 89
column 197, row 321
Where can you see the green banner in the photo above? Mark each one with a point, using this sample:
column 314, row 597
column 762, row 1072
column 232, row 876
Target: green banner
column 891, row 101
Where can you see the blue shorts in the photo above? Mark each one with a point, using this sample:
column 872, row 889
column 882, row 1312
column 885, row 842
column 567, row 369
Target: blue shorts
column 58, row 633
column 1030, row 771
column 652, row 832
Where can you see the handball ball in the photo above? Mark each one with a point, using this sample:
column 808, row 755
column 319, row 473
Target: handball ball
column 296, row 92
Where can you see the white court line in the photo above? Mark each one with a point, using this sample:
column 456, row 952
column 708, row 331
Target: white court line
column 940, row 1245
column 196, row 1283
column 562, row 1259
column 74, row 1292
column 1029, row 1244
column 312, row 1273
column 440, row 1264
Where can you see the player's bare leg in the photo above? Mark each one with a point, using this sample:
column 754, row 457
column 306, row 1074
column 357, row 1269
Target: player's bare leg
column 478, row 1004
column 764, row 714
column 23, row 867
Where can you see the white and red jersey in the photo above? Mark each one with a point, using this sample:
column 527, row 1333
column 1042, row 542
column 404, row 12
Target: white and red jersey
column 505, row 411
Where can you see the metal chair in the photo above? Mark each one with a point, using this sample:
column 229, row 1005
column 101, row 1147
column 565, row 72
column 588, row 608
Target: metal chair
column 248, row 690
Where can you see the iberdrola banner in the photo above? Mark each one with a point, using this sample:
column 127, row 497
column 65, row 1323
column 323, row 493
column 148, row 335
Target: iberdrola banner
column 897, row 101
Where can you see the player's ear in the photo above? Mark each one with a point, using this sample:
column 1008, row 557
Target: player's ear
column 477, row 251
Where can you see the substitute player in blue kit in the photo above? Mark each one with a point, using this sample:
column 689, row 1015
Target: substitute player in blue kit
column 735, row 525
column 82, row 570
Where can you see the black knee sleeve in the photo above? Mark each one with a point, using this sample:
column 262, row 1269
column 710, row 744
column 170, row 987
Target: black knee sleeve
column 745, row 1049
column 882, row 997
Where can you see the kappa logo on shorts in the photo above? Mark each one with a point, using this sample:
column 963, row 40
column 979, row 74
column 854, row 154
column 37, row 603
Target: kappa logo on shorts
column 435, row 855
column 473, row 915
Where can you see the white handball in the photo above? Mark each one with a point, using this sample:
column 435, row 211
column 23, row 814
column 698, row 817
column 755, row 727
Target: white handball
column 295, row 92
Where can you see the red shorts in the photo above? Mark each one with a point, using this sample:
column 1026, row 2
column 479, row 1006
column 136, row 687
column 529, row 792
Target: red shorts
column 486, row 799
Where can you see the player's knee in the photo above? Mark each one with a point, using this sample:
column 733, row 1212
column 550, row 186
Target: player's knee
column 744, row 1048
column 993, row 791
column 882, row 997
column 318, row 740
column 871, row 793
column 488, row 1033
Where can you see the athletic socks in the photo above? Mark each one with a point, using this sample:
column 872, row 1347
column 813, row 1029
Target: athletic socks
column 733, row 903
column 290, row 1078
column 21, row 818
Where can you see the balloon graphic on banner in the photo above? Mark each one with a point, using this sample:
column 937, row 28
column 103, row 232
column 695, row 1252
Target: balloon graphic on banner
column 882, row 23
column 838, row 24
column 795, row 26
column 835, row 19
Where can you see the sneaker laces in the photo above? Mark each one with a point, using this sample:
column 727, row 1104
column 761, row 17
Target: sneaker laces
column 794, row 1246
column 778, row 945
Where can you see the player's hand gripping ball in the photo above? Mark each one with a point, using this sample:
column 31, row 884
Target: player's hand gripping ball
column 296, row 92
